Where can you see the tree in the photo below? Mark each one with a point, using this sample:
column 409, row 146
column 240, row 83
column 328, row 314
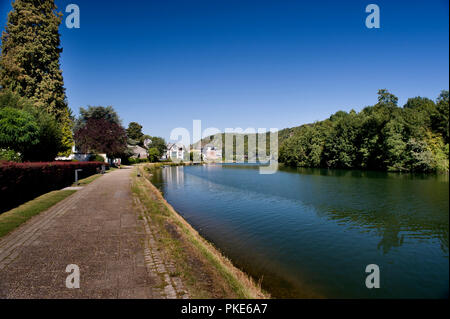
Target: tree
column 440, row 120
column 387, row 99
column 101, row 136
column 29, row 64
column 49, row 130
column 97, row 112
column 99, row 130
column 10, row 99
column 159, row 143
column 18, row 130
column 394, row 145
column 134, row 131
column 340, row 148
column 153, row 154
column 50, row 138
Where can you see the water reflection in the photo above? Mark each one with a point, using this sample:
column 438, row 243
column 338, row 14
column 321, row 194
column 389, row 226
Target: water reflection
column 174, row 175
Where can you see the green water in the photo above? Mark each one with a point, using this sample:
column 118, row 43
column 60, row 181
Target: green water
column 312, row 232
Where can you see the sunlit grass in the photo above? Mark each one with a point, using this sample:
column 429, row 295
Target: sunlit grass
column 12, row 219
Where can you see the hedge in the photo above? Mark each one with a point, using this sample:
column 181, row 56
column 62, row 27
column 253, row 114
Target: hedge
column 20, row 182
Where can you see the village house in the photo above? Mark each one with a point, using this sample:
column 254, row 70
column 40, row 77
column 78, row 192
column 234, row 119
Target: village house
column 175, row 151
column 138, row 151
column 79, row 156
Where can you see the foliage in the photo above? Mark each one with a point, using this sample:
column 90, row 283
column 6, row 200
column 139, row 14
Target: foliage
column 101, row 136
column 134, row 131
column 9, row 156
column 29, row 64
column 96, row 158
column 153, row 154
column 50, row 135
column 159, row 143
column 133, row 160
column 96, row 113
column 18, row 130
column 383, row 137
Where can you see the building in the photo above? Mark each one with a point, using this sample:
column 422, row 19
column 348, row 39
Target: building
column 138, row 152
column 176, row 151
column 211, row 153
column 78, row 156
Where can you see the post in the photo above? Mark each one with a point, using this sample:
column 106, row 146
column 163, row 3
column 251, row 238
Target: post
column 76, row 175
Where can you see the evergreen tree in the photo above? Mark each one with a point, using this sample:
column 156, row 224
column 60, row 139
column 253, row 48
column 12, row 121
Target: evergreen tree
column 29, row 63
column 134, row 131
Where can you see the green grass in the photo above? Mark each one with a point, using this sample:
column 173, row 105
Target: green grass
column 90, row 179
column 87, row 180
column 12, row 219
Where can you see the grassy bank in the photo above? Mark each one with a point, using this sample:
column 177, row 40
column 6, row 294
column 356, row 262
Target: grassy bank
column 12, row 219
column 205, row 271
column 15, row 217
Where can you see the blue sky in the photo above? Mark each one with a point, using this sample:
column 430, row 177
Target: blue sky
column 238, row 63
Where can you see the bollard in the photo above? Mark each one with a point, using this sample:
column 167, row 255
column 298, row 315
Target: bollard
column 76, row 175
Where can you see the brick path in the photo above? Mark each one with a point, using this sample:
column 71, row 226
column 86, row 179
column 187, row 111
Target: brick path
column 97, row 229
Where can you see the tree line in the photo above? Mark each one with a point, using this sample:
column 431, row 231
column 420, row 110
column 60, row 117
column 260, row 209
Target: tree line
column 384, row 136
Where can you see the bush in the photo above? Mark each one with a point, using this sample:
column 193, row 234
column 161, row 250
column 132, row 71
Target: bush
column 18, row 130
column 153, row 154
column 96, row 158
column 133, row 160
column 9, row 155
column 20, row 182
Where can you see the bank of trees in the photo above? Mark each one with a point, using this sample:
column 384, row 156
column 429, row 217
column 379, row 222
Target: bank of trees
column 414, row 137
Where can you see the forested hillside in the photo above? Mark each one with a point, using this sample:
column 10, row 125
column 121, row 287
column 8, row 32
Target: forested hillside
column 414, row 137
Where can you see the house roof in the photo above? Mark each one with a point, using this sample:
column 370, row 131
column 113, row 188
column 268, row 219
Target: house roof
column 176, row 145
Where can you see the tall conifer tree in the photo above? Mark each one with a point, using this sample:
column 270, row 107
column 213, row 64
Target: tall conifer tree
column 29, row 63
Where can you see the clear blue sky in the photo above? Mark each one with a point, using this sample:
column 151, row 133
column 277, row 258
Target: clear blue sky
column 237, row 63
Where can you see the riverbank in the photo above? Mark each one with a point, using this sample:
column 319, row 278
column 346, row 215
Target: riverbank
column 206, row 273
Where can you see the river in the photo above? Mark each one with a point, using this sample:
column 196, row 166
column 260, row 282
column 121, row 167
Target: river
column 310, row 233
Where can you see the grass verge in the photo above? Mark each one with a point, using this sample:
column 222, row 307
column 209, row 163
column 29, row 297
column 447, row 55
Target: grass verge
column 12, row 219
column 90, row 179
column 15, row 217
column 204, row 270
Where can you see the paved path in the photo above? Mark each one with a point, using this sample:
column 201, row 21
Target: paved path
column 97, row 229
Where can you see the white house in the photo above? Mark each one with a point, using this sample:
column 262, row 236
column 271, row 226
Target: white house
column 78, row 156
column 175, row 151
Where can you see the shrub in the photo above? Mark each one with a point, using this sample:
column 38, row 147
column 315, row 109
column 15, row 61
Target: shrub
column 133, row 160
column 9, row 155
column 20, row 182
column 153, row 154
column 96, row 158
column 18, row 130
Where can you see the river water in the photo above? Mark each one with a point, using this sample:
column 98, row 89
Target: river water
column 308, row 233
